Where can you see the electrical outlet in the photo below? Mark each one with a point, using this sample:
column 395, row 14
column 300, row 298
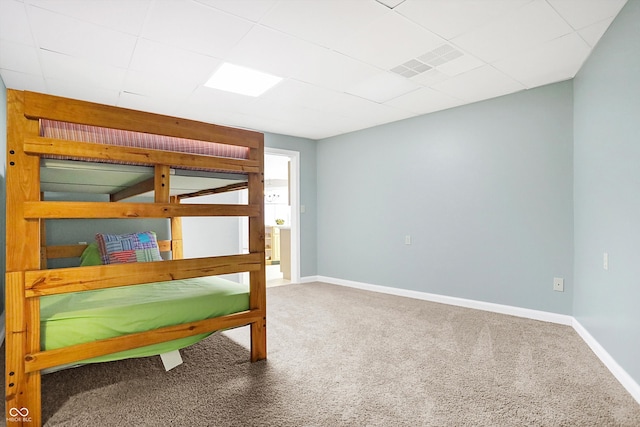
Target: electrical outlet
column 558, row 284
column 605, row 261
column 407, row 240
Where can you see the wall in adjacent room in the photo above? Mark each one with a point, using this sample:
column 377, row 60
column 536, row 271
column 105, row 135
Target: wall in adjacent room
column 607, row 191
column 484, row 191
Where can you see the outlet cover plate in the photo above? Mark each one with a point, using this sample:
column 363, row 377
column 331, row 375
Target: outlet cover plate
column 558, row 284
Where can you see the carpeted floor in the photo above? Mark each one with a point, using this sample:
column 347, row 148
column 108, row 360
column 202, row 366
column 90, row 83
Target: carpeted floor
column 346, row 357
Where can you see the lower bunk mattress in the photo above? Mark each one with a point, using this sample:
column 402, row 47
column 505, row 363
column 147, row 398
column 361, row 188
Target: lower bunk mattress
column 80, row 317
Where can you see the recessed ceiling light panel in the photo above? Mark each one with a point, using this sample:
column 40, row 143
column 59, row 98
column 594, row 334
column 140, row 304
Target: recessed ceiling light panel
column 242, row 80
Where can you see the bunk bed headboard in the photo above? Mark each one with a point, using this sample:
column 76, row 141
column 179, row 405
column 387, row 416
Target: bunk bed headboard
column 27, row 279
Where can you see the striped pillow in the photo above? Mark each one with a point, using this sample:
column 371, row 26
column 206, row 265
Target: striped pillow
column 126, row 248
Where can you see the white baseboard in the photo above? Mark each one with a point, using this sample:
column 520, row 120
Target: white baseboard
column 618, row 372
column 544, row 316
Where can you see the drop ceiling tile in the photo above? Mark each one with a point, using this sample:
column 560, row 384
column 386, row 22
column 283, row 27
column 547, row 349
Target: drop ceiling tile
column 382, row 114
column 298, row 129
column 383, row 87
column 367, row 111
column 568, row 53
column 82, row 72
column 333, row 70
column 207, row 98
column 253, row 10
column 460, row 65
column 125, row 16
column 14, row 22
column 19, row 57
column 582, row 13
column 69, row 89
column 478, row 84
column 430, row 77
column 423, row 101
column 167, row 62
column 271, row 51
column 449, row 18
column 208, row 115
column 23, row 81
column 147, row 103
column 195, row 27
column 80, row 39
column 323, row 22
column 389, row 42
column 275, row 109
column 593, row 33
column 536, row 22
column 152, row 85
column 298, row 93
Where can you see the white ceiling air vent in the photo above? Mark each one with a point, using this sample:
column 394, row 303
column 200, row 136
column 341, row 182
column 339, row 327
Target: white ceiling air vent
column 429, row 60
column 411, row 68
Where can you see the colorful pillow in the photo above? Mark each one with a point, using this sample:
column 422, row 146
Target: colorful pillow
column 91, row 256
column 125, row 248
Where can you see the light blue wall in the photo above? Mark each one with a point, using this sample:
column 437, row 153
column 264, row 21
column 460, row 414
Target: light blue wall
column 484, row 191
column 308, row 219
column 607, row 191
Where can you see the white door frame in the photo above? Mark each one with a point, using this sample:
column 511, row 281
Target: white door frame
column 294, row 187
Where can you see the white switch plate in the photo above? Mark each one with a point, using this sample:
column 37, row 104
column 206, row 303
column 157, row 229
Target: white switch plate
column 558, row 284
column 605, row 261
column 407, row 240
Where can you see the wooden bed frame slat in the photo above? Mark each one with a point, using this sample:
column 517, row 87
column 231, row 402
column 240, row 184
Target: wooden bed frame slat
column 39, row 106
column 27, row 278
column 76, row 279
column 225, row 189
column 69, row 210
column 91, row 151
column 135, row 190
column 79, row 352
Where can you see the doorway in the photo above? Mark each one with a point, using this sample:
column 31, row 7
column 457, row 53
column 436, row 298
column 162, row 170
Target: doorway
column 282, row 217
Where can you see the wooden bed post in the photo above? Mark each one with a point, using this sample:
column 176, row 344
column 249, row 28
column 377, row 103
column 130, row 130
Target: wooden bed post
column 258, row 296
column 176, row 234
column 22, row 324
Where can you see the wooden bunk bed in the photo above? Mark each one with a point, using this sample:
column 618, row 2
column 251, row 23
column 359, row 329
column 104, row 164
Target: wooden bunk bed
column 28, row 280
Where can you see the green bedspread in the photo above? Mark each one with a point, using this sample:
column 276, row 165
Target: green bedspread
column 81, row 317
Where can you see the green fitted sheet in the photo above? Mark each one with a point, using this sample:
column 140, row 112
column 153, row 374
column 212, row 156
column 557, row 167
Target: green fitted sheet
column 80, row 317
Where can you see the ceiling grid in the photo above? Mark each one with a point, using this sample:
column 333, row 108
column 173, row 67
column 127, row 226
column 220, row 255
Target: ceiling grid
column 346, row 64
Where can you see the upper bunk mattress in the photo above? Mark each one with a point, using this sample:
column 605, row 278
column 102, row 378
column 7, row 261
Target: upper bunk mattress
column 101, row 135
column 80, row 317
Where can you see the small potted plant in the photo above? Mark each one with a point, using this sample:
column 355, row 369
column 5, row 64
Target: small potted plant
column 279, row 221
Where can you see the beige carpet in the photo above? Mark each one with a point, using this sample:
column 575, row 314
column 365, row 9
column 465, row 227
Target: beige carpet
column 346, row 357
